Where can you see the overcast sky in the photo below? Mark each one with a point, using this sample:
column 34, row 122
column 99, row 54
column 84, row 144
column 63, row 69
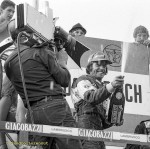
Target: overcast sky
column 106, row 19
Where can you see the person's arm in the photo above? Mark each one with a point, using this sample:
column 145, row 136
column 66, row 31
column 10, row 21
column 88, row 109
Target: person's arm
column 5, row 104
column 21, row 111
column 90, row 94
column 59, row 72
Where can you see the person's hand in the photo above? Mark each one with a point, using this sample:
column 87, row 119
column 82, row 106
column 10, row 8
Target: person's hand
column 62, row 57
column 146, row 42
column 118, row 82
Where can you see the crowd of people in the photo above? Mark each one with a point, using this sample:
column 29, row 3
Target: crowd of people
column 45, row 74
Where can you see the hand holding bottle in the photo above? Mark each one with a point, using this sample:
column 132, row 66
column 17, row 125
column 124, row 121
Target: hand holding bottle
column 118, row 81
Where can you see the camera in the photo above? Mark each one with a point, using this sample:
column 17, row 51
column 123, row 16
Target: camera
column 40, row 30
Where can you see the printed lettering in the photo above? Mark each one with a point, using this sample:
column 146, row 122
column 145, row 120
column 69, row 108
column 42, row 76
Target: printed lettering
column 26, row 127
column 7, row 125
column 133, row 93
column 22, row 127
column 94, row 134
column 37, row 128
column 127, row 87
column 138, row 93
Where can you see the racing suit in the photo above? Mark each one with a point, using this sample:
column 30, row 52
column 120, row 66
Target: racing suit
column 91, row 102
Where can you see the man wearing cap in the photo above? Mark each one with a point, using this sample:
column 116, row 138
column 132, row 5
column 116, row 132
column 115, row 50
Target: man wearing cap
column 90, row 96
column 141, row 35
column 77, row 30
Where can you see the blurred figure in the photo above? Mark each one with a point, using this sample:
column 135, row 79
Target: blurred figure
column 77, row 30
column 142, row 128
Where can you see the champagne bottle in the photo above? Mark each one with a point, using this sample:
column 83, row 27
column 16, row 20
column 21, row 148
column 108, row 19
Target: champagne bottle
column 116, row 108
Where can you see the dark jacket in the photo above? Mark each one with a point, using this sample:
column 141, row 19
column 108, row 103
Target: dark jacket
column 43, row 75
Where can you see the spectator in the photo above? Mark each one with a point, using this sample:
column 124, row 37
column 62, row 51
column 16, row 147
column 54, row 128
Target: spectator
column 77, row 30
column 141, row 35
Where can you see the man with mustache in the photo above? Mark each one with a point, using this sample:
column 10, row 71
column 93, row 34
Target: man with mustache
column 90, row 97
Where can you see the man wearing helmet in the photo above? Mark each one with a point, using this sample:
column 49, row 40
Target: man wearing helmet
column 90, row 94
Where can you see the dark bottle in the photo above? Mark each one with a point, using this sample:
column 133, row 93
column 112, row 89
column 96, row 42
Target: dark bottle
column 116, row 107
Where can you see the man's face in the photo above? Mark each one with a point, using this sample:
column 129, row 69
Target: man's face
column 141, row 37
column 99, row 69
column 7, row 13
column 78, row 32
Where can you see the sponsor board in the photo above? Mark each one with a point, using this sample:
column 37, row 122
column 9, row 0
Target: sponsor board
column 95, row 134
column 133, row 137
column 60, row 130
column 23, row 127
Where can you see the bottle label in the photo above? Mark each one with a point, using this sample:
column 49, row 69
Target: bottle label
column 119, row 95
column 116, row 114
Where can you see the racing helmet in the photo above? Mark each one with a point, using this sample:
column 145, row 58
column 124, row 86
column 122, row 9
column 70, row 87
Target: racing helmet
column 98, row 56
